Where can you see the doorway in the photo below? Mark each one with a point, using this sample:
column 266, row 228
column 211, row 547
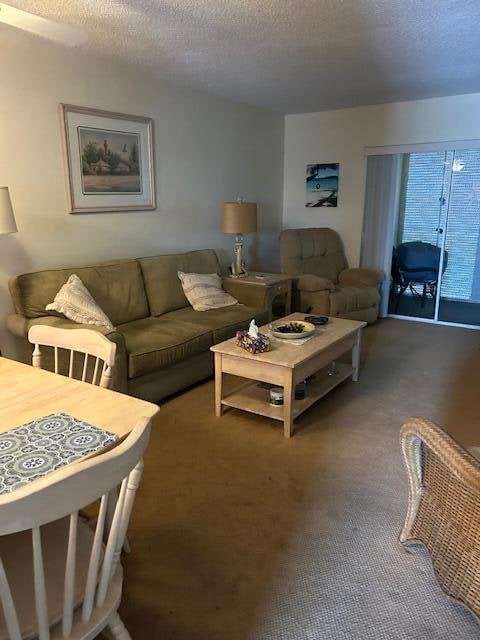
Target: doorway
column 436, row 255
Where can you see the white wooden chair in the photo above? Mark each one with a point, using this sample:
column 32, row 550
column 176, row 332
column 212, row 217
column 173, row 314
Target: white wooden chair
column 58, row 579
column 80, row 343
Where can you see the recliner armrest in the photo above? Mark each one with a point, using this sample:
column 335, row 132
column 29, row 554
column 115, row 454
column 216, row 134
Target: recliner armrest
column 361, row 277
column 310, row 282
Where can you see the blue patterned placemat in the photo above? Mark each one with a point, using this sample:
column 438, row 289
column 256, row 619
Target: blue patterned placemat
column 39, row 447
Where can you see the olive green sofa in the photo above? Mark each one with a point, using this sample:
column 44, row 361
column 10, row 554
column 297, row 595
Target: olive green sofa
column 163, row 345
column 323, row 284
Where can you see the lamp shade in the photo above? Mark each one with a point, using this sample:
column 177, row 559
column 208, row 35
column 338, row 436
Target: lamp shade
column 7, row 218
column 239, row 217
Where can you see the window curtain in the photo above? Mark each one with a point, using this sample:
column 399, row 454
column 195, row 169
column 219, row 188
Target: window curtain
column 382, row 197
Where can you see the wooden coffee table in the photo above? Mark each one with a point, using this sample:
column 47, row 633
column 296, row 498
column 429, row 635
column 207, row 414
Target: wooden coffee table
column 285, row 365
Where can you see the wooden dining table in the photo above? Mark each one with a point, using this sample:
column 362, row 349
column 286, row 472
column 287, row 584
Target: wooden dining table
column 28, row 393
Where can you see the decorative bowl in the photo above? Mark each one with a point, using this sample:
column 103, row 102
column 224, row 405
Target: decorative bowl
column 292, row 329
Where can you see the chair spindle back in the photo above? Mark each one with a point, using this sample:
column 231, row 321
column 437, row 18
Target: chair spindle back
column 89, row 353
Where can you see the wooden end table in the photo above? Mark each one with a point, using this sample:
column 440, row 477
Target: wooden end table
column 285, row 365
column 277, row 284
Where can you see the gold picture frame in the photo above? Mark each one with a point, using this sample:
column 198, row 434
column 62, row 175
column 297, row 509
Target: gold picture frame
column 109, row 160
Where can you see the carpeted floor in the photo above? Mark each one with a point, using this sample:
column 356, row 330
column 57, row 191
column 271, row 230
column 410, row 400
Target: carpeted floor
column 240, row 534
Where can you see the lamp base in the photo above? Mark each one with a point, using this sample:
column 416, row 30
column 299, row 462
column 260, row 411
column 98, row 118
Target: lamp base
column 244, row 274
column 238, row 265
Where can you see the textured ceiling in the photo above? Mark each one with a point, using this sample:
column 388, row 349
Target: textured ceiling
column 286, row 55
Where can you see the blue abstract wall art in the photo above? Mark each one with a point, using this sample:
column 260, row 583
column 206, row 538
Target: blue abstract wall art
column 322, row 185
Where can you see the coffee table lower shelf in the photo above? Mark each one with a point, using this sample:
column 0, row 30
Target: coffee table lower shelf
column 250, row 397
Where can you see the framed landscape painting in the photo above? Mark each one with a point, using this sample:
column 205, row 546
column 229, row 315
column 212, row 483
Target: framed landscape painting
column 109, row 160
column 322, row 185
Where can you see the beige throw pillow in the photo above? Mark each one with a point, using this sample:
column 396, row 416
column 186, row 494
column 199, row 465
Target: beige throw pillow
column 204, row 291
column 76, row 303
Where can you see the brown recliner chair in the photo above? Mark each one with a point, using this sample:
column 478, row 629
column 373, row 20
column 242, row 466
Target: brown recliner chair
column 324, row 284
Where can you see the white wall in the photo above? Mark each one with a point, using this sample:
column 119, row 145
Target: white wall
column 207, row 151
column 341, row 136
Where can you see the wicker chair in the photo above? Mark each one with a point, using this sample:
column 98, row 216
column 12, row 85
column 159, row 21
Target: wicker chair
column 444, row 508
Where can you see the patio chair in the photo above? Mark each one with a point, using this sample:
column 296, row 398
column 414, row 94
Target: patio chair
column 416, row 264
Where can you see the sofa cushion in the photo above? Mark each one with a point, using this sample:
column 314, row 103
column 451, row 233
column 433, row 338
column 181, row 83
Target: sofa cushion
column 156, row 343
column 224, row 323
column 116, row 286
column 76, row 303
column 164, row 289
column 204, row 291
column 346, row 299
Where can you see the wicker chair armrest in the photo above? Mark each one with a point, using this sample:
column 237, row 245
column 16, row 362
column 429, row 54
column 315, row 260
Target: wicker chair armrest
column 463, row 465
column 443, row 507
column 475, row 452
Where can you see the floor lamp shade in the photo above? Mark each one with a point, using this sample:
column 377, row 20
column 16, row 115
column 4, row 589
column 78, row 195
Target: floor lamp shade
column 7, row 218
column 239, row 217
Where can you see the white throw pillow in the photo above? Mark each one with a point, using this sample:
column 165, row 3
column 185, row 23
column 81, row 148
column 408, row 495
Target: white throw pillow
column 76, row 303
column 204, row 291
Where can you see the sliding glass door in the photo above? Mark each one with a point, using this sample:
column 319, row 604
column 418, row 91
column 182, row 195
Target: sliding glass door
column 419, row 238
column 436, row 257
column 459, row 289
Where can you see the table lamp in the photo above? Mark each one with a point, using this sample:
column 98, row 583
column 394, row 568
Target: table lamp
column 7, row 217
column 239, row 217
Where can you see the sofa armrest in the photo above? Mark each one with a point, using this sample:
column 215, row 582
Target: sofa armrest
column 19, row 326
column 361, row 277
column 310, row 282
column 251, row 295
